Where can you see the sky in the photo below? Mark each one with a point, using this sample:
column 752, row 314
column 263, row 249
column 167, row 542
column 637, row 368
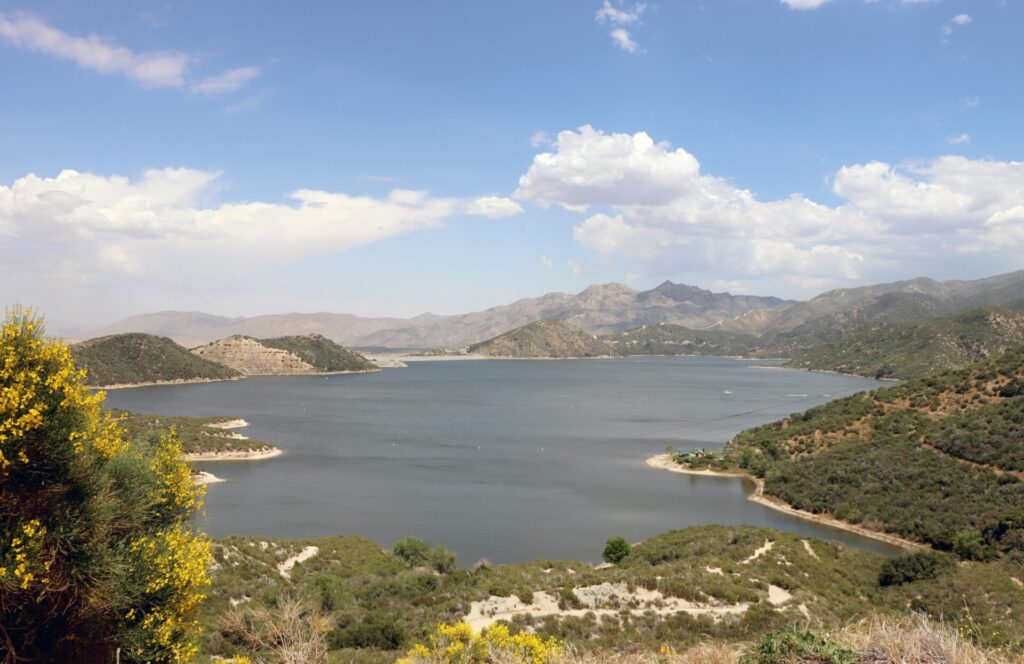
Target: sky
column 392, row 158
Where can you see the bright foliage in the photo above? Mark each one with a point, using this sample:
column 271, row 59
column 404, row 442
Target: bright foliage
column 459, row 644
column 96, row 549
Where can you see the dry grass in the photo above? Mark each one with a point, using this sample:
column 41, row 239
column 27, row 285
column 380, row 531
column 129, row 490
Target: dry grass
column 918, row 640
column 881, row 640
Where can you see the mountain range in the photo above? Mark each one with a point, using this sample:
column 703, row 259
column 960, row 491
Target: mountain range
column 781, row 327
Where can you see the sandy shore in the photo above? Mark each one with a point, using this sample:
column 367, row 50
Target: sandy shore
column 124, row 386
column 665, row 462
column 235, row 455
column 229, row 424
column 203, row 477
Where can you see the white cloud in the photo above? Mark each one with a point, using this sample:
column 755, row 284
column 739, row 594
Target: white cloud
column 540, row 138
column 962, row 19
column 158, row 69
column 960, row 139
column 154, row 225
column 957, row 21
column 225, row 82
column 620, row 15
column 622, row 39
column 546, row 262
column 803, row 4
column 658, row 209
column 493, row 207
column 574, row 266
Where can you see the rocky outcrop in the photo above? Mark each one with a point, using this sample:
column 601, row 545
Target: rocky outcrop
column 251, row 358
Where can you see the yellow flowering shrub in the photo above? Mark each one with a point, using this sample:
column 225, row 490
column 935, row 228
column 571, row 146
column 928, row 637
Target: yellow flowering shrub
column 459, row 644
column 96, row 548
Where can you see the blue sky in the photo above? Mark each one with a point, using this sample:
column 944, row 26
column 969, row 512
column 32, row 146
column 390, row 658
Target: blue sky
column 534, row 146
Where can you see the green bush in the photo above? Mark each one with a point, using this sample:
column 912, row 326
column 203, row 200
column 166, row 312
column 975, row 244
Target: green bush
column 375, row 630
column 910, row 567
column 441, row 560
column 787, row 646
column 412, row 550
column 616, row 550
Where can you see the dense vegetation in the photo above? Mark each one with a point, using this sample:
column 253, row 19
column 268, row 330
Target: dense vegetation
column 197, row 434
column 667, row 339
column 906, row 459
column 546, row 339
column 321, row 352
column 915, row 349
column 97, row 552
column 128, row 359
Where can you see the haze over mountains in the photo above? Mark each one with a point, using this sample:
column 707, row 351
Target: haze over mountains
column 782, row 327
column 600, row 309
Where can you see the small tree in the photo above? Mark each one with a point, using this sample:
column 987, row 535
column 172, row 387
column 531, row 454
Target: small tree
column 97, row 553
column 616, row 550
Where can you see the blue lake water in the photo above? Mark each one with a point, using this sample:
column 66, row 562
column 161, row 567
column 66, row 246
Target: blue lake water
column 508, row 460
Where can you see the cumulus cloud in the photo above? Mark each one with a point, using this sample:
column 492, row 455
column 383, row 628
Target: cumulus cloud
column 658, row 208
column 159, row 69
column 803, row 4
column 959, row 139
column 623, row 40
column 153, row 225
column 493, row 207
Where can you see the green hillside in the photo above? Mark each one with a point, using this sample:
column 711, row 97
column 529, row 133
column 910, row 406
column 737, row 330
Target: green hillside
column 197, row 434
column 915, row 349
column 736, row 584
column 544, row 339
column 668, row 339
column 936, row 459
column 127, row 359
column 321, row 352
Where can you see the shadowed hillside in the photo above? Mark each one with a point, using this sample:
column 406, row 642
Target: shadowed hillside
column 126, row 359
column 544, row 339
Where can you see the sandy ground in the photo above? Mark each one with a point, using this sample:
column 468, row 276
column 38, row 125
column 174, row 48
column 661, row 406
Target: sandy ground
column 607, row 599
column 229, row 424
column 285, row 568
column 665, row 462
column 235, row 455
column 203, row 477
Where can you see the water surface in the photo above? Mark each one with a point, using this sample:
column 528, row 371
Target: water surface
column 508, row 460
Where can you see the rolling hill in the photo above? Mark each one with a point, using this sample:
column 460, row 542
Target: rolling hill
column 283, row 356
column 545, row 339
column 668, row 339
column 128, row 359
column 914, row 349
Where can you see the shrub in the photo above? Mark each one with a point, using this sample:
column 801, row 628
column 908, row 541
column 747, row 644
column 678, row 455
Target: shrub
column 375, row 630
column 616, row 550
column 441, row 560
column 412, row 550
column 96, row 549
column 787, row 646
column 910, row 567
column 459, row 643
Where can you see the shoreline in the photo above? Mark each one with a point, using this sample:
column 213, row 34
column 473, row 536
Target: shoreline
column 203, row 477
column 192, row 381
column 235, row 455
column 664, row 462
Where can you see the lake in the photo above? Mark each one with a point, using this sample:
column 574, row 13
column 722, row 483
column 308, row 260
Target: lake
column 508, row 460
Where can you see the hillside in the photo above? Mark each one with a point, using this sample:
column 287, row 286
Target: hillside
column 128, row 359
column 936, row 459
column 727, row 584
column 668, row 339
column 199, row 435
column 283, row 356
column 544, row 339
column 322, row 353
column 915, row 349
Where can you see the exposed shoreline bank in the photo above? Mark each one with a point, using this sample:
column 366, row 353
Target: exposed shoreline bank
column 665, row 462
column 190, row 381
column 235, row 455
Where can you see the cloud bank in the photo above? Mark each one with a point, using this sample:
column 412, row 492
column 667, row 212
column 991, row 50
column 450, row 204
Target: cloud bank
column 650, row 203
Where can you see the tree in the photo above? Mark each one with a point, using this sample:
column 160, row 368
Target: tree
column 97, row 554
column 616, row 550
